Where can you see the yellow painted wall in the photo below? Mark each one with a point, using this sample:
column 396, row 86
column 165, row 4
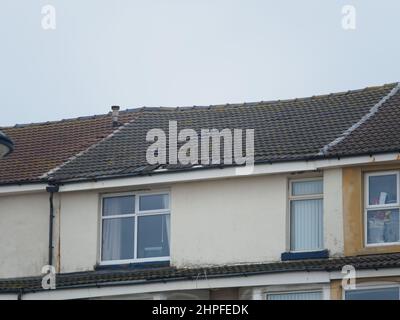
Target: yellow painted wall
column 353, row 210
column 336, row 290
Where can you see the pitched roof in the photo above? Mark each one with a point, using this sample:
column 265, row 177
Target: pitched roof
column 300, row 129
column 41, row 147
column 340, row 124
column 163, row 274
column 380, row 132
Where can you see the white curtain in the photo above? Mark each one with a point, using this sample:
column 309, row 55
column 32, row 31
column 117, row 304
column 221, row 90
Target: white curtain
column 165, row 201
column 112, row 237
column 168, row 227
column 118, row 205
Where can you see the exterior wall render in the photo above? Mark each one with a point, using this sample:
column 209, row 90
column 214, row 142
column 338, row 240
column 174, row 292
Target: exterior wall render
column 353, row 210
column 216, row 222
column 24, row 234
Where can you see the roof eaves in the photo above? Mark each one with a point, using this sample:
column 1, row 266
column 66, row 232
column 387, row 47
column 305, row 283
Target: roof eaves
column 314, row 157
column 113, row 278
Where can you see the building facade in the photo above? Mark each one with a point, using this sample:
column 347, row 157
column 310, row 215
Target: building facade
column 316, row 218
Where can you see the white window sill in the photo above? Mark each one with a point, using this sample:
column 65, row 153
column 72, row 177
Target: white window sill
column 134, row 261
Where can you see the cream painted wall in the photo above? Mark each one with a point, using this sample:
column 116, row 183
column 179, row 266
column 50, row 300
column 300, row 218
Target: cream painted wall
column 228, row 221
column 243, row 220
column 333, row 212
column 79, row 225
column 214, row 222
column 240, row 220
column 24, row 232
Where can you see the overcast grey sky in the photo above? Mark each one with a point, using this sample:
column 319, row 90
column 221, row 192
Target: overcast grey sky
column 187, row 52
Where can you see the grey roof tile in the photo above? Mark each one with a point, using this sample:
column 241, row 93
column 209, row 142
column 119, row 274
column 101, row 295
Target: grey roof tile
column 380, row 133
column 284, row 131
column 163, row 274
column 41, row 147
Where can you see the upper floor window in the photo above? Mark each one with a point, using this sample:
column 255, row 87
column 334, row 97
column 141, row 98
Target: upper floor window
column 135, row 228
column 306, row 215
column 382, row 208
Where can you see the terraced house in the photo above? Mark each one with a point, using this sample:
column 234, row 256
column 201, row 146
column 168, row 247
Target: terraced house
column 79, row 195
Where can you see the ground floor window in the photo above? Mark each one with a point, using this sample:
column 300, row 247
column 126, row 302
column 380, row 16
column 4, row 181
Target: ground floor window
column 298, row 295
column 388, row 293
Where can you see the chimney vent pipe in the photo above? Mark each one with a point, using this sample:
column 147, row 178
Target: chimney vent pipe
column 115, row 115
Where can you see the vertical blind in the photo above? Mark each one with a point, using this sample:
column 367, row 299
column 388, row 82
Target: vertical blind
column 311, row 295
column 300, row 188
column 306, row 225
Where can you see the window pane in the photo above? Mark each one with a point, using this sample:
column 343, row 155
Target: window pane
column 306, row 225
column 300, row 188
column 383, row 189
column 153, row 236
column 154, row 202
column 317, row 295
column 373, row 294
column 118, row 239
column 118, row 205
column 383, row 226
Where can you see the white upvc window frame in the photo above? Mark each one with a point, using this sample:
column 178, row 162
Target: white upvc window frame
column 372, row 286
column 291, row 198
column 390, row 206
column 136, row 215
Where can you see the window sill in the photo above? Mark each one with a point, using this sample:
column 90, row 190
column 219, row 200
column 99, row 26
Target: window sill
column 133, row 266
column 288, row 256
column 382, row 244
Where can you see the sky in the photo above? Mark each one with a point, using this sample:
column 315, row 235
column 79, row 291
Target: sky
column 187, row 52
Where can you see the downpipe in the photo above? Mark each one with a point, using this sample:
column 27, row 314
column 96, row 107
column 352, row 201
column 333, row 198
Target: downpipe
column 52, row 189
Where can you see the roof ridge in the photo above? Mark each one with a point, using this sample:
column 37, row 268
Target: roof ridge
column 200, row 107
column 256, row 103
column 79, row 154
column 95, row 116
column 365, row 118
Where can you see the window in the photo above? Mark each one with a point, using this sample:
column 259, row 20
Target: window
column 382, row 208
column 306, row 213
column 388, row 293
column 299, row 295
column 135, row 228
